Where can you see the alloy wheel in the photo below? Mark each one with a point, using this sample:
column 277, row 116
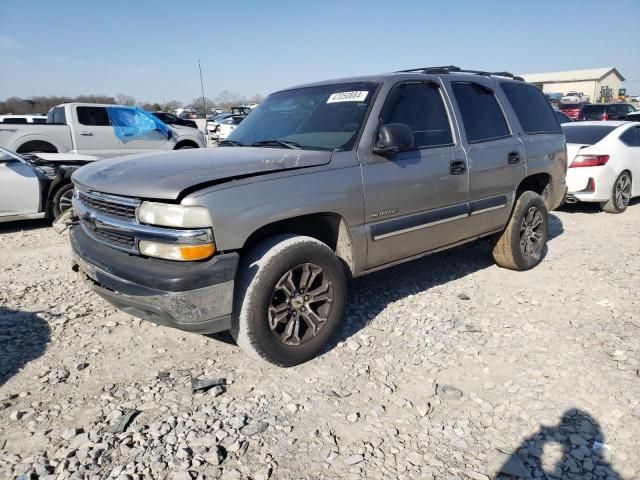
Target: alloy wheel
column 300, row 304
column 623, row 191
column 65, row 200
column 531, row 232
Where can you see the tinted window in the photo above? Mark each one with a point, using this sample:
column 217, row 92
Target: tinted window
column 56, row 115
column 563, row 118
column 420, row 106
column 593, row 109
column 481, row 115
column 631, row 137
column 586, row 134
column 15, row 120
column 569, row 106
column 94, row 116
column 532, row 108
column 39, row 120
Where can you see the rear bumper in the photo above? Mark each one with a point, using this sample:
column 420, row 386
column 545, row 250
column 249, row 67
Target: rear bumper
column 196, row 297
column 581, row 188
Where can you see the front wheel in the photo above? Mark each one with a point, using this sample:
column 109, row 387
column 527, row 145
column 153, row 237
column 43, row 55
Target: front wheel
column 61, row 201
column 620, row 195
column 290, row 297
column 521, row 244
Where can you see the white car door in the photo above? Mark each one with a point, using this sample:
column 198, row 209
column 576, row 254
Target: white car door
column 630, row 153
column 19, row 187
column 94, row 134
column 139, row 131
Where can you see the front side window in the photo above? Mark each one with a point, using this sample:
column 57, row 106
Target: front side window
column 325, row 117
column 482, row 116
column 93, row 116
column 532, row 108
column 421, row 108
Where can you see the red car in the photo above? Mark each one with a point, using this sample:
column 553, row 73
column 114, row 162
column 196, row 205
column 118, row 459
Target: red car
column 571, row 110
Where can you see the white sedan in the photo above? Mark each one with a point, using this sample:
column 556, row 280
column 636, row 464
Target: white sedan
column 37, row 185
column 603, row 163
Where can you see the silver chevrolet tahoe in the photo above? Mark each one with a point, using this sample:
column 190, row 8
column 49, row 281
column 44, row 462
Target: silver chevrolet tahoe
column 321, row 183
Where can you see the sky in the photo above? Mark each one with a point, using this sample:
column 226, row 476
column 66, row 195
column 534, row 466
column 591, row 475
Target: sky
column 150, row 49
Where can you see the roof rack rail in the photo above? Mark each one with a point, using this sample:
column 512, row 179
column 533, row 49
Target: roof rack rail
column 454, row 69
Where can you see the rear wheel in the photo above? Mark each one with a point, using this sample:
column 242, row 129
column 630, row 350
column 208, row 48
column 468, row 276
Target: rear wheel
column 291, row 294
column 521, row 244
column 620, row 195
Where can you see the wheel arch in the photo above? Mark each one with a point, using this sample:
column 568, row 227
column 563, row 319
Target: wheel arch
column 37, row 146
column 539, row 183
column 186, row 143
column 329, row 228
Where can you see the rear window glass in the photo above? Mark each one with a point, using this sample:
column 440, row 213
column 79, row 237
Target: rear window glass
column 532, row 108
column 481, row 114
column 587, row 109
column 56, row 115
column 586, row 134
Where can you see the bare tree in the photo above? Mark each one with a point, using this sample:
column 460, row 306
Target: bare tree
column 122, row 99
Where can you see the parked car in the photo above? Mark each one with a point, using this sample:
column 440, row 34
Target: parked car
column 102, row 130
column 604, row 159
column 22, row 119
column 562, row 117
column 214, row 124
column 37, row 185
column 575, row 97
column 633, row 116
column 605, row 111
column 320, row 183
column 572, row 110
column 226, row 126
column 171, row 119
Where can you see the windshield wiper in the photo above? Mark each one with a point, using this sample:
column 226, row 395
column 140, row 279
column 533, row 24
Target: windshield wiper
column 231, row 143
column 282, row 143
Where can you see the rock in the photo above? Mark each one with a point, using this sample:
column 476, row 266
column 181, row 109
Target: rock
column 464, row 296
column 80, row 441
column 263, row 474
column 185, row 475
column 292, row 408
column 449, row 392
column 81, row 366
column 16, row 415
column 353, row 459
column 215, row 456
column 353, row 417
column 254, row 428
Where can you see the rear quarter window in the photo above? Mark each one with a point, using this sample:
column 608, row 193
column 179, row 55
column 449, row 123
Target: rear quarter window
column 532, row 108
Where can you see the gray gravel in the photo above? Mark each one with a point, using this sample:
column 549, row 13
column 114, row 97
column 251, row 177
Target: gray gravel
column 448, row 367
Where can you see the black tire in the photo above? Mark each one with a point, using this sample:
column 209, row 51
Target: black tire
column 521, row 245
column 620, row 194
column 258, row 298
column 185, row 146
column 61, row 201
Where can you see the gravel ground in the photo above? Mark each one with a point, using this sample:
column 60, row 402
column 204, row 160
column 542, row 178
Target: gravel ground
column 447, row 367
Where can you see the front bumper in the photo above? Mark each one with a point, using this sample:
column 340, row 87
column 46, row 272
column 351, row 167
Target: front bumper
column 195, row 296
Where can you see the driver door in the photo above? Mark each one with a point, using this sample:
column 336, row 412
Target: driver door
column 416, row 200
column 19, row 187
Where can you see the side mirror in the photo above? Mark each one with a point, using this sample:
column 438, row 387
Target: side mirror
column 393, row 138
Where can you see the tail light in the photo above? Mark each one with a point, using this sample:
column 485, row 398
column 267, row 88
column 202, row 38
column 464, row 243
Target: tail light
column 605, row 116
column 589, row 161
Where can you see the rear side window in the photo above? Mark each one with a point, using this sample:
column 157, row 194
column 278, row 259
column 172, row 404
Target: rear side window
column 631, row 137
column 532, row 108
column 420, row 106
column 586, row 134
column 93, row 116
column 57, row 115
column 481, row 114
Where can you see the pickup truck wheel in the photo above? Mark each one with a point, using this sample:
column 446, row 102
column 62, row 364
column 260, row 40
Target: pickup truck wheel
column 620, row 195
column 290, row 297
column 61, row 200
column 521, row 244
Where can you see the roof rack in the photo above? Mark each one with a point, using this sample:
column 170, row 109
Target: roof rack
column 454, row 69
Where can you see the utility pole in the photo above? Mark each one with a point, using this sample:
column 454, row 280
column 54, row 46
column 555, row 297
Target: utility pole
column 204, row 103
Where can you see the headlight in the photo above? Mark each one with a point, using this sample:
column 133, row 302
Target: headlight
column 170, row 251
column 179, row 216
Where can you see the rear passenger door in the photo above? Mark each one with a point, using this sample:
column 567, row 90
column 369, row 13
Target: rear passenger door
column 495, row 154
column 93, row 133
column 415, row 200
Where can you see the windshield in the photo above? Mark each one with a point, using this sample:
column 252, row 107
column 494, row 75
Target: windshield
column 327, row 117
column 586, row 134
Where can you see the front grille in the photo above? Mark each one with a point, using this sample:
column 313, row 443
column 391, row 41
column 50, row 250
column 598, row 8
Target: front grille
column 108, row 206
column 115, row 238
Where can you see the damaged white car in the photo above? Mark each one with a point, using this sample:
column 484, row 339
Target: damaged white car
column 37, row 185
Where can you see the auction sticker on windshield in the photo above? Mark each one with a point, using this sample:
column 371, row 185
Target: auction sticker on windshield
column 347, row 97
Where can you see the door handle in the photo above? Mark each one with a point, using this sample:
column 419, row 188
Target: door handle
column 457, row 167
column 514, row 157
column 86, row 134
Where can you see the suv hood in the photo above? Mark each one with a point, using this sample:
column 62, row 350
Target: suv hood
column 165, row 175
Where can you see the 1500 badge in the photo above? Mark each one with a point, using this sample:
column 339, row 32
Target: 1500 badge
column 384, row 213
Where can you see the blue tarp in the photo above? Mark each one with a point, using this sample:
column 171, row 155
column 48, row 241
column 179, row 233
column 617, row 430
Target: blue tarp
column 130, row 123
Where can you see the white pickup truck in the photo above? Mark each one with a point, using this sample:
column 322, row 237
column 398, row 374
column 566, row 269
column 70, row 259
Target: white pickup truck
column 101, row 130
